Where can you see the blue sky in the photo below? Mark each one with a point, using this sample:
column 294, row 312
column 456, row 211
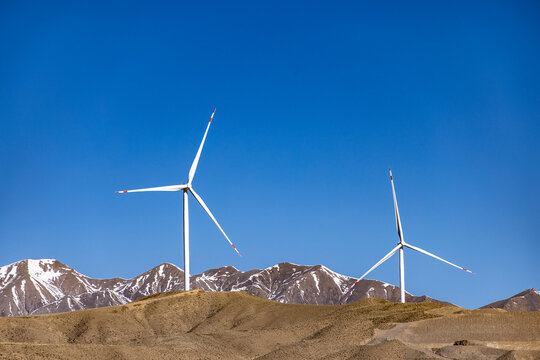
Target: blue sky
column 314, row 102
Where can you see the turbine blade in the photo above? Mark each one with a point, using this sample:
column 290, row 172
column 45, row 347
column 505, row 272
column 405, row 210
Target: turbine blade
column 196, row 161
column 200, row 200
column 396, row 210
column 436, row 257
column 160, row 188
column 386, row 257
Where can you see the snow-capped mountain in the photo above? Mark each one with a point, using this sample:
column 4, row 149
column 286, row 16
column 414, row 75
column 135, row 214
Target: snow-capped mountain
column 44, row 286
column 49, row 286
column 528, row 300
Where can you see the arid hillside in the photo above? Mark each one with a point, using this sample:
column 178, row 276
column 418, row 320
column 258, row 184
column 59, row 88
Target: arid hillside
column 238, row 325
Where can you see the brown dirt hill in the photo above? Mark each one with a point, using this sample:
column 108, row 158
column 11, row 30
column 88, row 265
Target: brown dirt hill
column 237, row 325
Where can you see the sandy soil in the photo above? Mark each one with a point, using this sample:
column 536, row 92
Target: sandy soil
column 237, row 325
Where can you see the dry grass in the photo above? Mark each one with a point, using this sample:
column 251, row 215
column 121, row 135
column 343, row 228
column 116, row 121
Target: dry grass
column 199, row 325
column 479, row 325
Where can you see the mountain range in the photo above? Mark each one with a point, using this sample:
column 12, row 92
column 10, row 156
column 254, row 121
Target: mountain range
column 31, row 287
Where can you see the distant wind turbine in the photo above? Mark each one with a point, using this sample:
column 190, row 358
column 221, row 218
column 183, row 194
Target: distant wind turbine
column 400, row 247
column 189, row 188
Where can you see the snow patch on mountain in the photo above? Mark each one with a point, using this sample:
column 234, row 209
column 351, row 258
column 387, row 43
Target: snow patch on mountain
column 316, row 283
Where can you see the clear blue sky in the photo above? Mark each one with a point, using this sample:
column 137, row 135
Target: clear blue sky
column 314, row 102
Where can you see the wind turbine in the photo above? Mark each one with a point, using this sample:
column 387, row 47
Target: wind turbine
column 402, row 244
column 188, row 188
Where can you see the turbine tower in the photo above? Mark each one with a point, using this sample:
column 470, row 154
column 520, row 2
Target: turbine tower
column 400, row 246
column 188, row 188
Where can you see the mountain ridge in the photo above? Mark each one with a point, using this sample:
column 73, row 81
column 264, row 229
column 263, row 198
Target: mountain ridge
column 527, row 300
column 43, row 286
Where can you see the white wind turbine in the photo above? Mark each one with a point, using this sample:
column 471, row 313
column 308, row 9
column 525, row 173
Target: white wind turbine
column 189, row 188
column 400, row 247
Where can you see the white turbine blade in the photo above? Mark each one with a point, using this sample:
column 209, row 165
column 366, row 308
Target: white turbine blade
column 436, row 257
column 160, row 188
column 196, row 161
column 200, row 200
column 396, row 210
column 386, row 257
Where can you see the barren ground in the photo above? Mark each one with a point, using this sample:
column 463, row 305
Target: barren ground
column 237, row 325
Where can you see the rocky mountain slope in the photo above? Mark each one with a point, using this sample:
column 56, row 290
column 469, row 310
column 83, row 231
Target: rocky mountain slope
column 528, row 300
column 49, row 286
